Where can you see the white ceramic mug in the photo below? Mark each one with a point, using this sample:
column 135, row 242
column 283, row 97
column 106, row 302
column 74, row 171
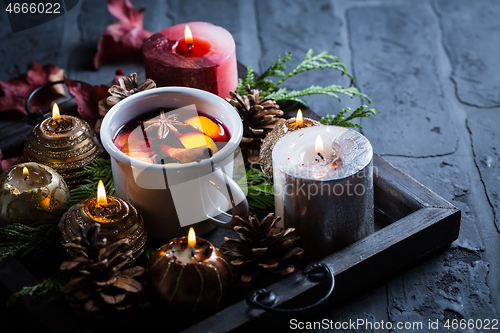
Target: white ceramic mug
column 173, row 197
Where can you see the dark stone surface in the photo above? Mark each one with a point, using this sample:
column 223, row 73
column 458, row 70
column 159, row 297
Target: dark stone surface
column 306, row 27
column 471, row 36
column 395, row 62
column 431, row 69
column 485, row 140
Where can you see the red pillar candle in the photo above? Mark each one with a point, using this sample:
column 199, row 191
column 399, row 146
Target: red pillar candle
column 205, row 60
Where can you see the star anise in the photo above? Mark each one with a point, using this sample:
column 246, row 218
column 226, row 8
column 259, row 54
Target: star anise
column 166, row 124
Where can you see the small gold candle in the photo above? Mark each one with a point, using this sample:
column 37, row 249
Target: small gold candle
column 286, row 127
column 117, row 217
column 65, row 143
column 25, row 188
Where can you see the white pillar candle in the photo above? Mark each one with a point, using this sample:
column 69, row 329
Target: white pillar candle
column 323, row 183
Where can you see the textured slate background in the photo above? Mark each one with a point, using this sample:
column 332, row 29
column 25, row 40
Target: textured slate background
column 431, row 68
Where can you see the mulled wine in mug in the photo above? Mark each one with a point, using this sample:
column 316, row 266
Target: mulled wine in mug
column 174, row 152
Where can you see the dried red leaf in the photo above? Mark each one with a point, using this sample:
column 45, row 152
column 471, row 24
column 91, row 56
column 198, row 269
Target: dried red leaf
column 14, row 92
column 88, row 96
column 124, row 37
column 6, row 164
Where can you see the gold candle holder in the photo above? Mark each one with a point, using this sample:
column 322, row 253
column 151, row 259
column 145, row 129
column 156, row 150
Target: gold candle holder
column 118, row 220
column 282, row 129
column 25, row 188
column 64, row 143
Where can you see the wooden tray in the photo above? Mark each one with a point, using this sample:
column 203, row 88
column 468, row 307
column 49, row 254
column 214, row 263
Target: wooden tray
column 412, row 223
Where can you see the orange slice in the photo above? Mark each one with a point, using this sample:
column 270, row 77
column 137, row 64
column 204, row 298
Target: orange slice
column 196, row 140
column 209, row 127
column 141, row 156
column 122, row 139
column 130, row 138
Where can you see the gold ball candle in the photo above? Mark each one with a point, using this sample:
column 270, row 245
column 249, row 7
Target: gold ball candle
column 188, row 275
column 286, row 127
column 118, row 220
column 63, row 142
column 28, row 190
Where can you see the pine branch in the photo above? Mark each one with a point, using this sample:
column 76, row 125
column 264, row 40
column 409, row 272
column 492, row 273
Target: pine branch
column 275, row 70
column 20, row 239
column 52, row 287
column 341, row 120
column 282, row 94
column 260, row 191
column 98, row 169
column 268, row 88
column 321, row 61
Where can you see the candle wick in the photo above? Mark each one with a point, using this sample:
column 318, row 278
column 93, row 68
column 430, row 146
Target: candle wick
column 319, row 154
column 190, row 47
column 192, row 252
column 27, row 177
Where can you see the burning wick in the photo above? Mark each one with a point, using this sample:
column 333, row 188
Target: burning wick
column 55, row 112
column 103, row 208
column 26, row 173
column 318, row 145
column 319, row 154
column 192, row 240
column 188, row 38
column 101, row 194
column 58, row 124
column 299, row 120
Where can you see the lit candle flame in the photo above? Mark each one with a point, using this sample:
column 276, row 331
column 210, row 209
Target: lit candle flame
column 318, row 147
column 299, row 120
column 188, row 36
column 26, row 173
column 101, row 194
column 55, row 111
column 191, row 237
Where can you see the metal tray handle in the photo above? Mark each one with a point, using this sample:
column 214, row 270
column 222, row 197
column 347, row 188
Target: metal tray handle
column 263, row 298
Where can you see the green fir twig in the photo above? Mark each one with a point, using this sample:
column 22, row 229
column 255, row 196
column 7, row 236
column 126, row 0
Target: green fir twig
column 260, row 191
column 99, row 169
column 269, row 88
column 273, row 89
column 20, row 239
column 51, row 288
column 342, row 120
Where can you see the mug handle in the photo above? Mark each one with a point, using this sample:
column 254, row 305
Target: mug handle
column 233, row 193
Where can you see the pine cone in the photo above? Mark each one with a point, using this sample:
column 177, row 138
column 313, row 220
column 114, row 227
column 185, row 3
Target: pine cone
column 259, row 118
column 99, row 287
column 263, row 251
column 128, row 86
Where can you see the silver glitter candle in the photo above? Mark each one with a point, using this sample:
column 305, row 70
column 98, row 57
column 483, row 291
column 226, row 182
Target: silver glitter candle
column 323, row 183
